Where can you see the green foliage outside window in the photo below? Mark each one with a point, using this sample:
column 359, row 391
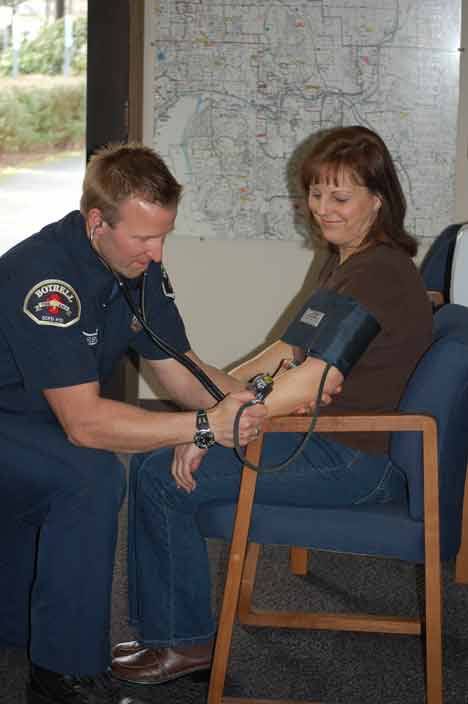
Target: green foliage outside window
column 41, row 113
column 44, row 54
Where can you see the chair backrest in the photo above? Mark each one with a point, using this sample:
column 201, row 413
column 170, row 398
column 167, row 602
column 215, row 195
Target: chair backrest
column 459, row 276
column 439, row 386
column 436, row 267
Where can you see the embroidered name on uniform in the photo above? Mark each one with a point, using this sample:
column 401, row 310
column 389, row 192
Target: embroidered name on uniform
column 91, row 337
column 53, row 302
column 312, row 317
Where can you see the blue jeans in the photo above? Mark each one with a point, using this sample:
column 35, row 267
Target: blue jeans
column 169, row 583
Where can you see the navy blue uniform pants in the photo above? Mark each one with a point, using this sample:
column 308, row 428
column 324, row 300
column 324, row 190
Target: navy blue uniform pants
column 59, row 508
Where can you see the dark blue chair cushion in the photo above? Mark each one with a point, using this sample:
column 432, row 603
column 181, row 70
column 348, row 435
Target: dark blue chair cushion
column 384, row 529
column 439, row 386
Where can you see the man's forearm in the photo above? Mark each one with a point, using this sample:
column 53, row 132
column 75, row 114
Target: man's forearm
column 120, row 427
column 224, row 381
column 89, row 420
column 185, row 389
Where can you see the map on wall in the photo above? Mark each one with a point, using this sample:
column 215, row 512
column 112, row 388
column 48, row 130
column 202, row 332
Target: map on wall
column 237, row 86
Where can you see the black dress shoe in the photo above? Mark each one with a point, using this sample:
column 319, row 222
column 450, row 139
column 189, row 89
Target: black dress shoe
column 46, row 687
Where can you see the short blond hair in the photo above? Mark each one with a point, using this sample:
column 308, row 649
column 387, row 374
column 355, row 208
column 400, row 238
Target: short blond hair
column 121, row 171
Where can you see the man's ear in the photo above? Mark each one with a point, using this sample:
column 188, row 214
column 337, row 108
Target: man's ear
column 94, row 218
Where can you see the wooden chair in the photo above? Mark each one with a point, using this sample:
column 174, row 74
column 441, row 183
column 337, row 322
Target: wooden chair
column 430, row 444
column 461, row 569
column 437, row 270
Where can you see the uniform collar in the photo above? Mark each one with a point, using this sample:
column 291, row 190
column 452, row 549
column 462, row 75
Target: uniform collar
column 98, row 279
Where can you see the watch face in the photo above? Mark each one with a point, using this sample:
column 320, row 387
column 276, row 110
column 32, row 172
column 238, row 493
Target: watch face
column 204, row 439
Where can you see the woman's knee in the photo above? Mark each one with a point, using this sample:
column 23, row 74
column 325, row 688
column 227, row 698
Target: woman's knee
column 151, row 479
column 155, row 472
column 391, row 487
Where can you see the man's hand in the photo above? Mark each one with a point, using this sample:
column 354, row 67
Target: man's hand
column 221, row 419
column 187, row 459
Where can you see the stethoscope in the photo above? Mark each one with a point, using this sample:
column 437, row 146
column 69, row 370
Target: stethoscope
column 138, row 310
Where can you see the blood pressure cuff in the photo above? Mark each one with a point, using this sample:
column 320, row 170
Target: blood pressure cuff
column 333, row 327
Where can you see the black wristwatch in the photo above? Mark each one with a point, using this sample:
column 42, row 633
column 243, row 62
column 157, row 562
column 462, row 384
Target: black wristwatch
column 204, row 436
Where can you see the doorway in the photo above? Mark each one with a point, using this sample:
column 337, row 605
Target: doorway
column 42, row 113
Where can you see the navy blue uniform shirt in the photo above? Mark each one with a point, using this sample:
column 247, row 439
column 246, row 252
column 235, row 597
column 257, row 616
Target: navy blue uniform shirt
column 64, row 320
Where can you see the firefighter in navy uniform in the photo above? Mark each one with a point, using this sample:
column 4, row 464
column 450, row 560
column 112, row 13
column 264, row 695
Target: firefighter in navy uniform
column 65, row 324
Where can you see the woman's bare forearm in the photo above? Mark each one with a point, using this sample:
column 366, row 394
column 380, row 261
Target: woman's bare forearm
column 298, row 387
column 267, row 361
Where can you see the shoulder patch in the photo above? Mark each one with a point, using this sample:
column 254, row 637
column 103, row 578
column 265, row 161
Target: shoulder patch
column 53, row 302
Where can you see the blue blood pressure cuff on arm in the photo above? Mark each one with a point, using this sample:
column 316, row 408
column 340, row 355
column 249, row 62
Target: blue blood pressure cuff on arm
column 334, row 328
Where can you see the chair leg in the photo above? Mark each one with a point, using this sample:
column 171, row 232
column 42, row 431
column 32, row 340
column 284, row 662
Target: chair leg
column 298, row 560
column 461, row 569
column 434, row 635
column 232, row 587
column 432, row 571
column 248, row 581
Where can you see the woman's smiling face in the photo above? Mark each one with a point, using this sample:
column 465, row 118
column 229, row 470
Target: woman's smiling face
column 343, row 209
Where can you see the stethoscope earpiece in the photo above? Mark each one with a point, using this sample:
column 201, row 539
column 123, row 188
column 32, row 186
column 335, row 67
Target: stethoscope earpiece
column 92, row 234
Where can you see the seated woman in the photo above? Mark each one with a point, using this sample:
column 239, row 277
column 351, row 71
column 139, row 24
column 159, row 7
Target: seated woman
column 358, row 208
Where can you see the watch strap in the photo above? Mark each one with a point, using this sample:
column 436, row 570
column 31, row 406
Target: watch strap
column 202, row 421
column 204, row 436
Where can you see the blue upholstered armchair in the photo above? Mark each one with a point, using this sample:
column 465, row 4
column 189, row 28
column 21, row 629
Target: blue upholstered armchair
column 436, row 267
column 430, row 444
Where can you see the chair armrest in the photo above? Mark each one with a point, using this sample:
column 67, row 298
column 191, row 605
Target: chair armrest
column 354, row 423
column 368, row 422
column 394, row 422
